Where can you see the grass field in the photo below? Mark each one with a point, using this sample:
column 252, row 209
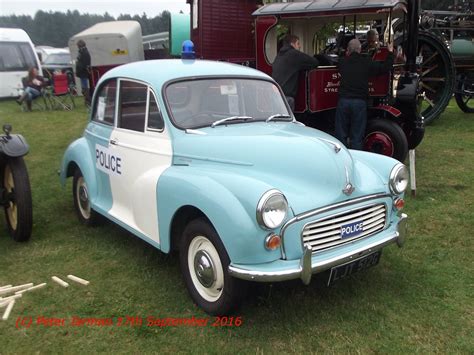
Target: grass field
column 418, row 299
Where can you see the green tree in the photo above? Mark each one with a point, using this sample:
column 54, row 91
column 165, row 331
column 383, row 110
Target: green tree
column 55, row 28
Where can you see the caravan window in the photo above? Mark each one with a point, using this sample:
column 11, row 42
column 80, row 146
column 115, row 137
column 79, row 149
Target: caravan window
column 15, row 56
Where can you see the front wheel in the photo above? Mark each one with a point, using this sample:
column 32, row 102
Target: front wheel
column 465, row 94
column 204, row 264
column 387, row 138
column 17, row 199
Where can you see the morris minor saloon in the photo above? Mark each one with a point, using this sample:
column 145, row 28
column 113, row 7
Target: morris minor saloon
column 207, row 158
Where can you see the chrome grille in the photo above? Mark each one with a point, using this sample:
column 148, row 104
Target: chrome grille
column 326, row 233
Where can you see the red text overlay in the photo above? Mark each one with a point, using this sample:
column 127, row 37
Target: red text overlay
column 127, row 321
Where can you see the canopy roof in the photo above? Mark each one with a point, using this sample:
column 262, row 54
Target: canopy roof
column 328, row 7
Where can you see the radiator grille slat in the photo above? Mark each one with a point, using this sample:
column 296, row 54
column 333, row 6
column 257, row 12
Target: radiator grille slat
column 326, row 233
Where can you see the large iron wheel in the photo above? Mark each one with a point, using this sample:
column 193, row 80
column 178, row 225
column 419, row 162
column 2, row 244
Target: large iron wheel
column 465, row 93
column 437, row 75
column 17, row 199
column 387, row 138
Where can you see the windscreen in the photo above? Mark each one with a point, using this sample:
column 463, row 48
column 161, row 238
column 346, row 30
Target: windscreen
column 61, row 59
column 202, row 102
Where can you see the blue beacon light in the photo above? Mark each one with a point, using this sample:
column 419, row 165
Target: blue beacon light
column 188, row 50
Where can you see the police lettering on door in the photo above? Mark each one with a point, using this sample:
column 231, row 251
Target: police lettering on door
column 107, row 160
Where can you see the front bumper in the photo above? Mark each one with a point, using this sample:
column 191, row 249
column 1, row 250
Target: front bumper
column 282, row 270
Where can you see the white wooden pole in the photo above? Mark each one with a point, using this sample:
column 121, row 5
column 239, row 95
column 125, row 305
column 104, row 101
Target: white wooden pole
column 412, row 172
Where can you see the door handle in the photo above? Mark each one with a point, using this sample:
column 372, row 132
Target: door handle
column 113, row 141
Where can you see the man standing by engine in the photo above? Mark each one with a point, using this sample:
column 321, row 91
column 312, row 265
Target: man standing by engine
column 288, row 64
column 83, row 63
column 351, row 111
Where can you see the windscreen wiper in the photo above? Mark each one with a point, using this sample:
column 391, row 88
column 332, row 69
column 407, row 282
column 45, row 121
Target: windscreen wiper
column 278, row 115
column 231, row 118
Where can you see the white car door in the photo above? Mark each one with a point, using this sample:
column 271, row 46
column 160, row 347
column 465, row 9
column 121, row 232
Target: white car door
column 142, row 150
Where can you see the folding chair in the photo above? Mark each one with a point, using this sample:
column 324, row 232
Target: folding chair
column 61, row 95
column 39, row 103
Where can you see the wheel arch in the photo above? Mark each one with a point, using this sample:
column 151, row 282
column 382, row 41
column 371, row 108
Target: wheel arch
column 77, row 156
column 384, row 111
column 184, row 196
column 181, row 218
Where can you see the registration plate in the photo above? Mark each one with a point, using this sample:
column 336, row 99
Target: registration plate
column 343, row 271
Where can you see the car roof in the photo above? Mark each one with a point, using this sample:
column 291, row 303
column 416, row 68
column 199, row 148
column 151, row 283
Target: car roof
column 158, row 72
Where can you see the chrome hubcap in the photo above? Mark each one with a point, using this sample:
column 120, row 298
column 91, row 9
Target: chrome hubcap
column 83, row 197
column 204, row 268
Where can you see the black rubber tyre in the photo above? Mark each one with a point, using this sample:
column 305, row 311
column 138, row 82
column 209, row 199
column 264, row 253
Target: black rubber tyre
column 414, row 136
column 438, row 75
column 465, row 100
column 19, row 207
column 85, row 213
column 385, row 137
column 204, row 264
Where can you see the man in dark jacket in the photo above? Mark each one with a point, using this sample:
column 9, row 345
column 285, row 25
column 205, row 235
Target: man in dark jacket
column 83, row 63
column 287, row 65
column 351, row 112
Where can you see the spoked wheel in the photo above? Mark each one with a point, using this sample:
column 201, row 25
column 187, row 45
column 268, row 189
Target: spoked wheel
column 81, row 198
column 437, row 75
column 17, row 199
column 387, row 138
column 465, row 93
column 204, row 264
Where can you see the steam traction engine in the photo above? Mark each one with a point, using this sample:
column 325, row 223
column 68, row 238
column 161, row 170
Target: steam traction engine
column 456, row 28
column 247, row 32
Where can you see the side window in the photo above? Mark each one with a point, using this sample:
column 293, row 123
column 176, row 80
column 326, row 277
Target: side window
column 28, row 55
column 155, row 120
column 132, row 113
column 11, row 58
column 104, row 109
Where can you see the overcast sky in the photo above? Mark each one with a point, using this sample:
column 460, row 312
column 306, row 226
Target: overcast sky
column 113, row 7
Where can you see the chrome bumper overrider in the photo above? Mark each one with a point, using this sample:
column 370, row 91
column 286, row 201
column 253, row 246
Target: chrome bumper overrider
column 309, row 264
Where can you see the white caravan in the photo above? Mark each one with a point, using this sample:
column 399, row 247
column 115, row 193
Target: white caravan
column 17, row 55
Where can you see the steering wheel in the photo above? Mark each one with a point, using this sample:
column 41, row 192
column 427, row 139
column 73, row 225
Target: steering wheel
column 196, row 119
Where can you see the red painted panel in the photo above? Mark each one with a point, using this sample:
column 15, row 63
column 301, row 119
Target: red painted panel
column 379, row 85
column 390, row 109
column 97, row 72
column 301, row 99
column 263, row 25
column 225, row 30
column 324, row 88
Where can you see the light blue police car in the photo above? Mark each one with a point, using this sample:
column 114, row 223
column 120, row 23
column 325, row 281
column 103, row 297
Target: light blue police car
column 207, row 158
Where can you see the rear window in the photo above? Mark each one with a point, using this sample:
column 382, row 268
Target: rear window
column 58, row 58
column 16, row 56
column 133, row 101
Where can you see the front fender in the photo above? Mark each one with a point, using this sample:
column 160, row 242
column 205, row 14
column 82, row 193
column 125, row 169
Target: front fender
column 79, row 154
column 230, row 207
column 378, row 164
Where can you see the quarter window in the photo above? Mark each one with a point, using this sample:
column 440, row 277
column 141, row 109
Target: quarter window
column 104, row 110
column 133, row 98
column 155, row 120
